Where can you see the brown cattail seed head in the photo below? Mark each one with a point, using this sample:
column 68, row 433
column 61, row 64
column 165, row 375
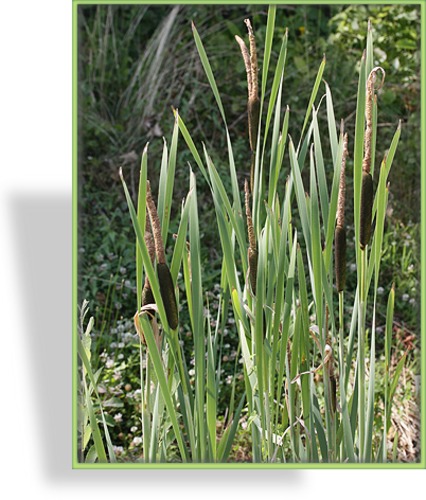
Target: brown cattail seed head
column 253, row 107
column 340, row 232
column 253, row 59
column 155, row 224
column 333, row 390
column 149, row 240
column 252, row 260
column 168, row 294
column 369, row 99
column 342, row 185
column 367, row 198
column 251, row 65
column 147, row 296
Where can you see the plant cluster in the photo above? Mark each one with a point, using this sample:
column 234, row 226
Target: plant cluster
column 307, row 366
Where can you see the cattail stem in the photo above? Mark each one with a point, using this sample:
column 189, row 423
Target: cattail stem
column 361, row 356
column 252, row 250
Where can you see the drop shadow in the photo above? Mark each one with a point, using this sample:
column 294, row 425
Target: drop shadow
column 42, row 240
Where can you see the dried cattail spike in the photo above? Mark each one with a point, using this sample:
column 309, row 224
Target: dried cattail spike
column 251, row 65
column 155, row 224
column 369, row 99
column 147, row 295
column 149, row 240
column 252, row 261
column 367, row 198
column 253, row 107
column 342, row 185
column 253, row 59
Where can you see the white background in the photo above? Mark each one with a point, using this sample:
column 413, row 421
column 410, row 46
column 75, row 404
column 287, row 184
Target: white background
column 35, row 246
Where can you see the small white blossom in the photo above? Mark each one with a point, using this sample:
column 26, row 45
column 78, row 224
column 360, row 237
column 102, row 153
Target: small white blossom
column 136, row 441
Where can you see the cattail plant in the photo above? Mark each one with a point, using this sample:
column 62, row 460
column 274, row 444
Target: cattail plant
column 365, row 229
column 291, row 323
column 164, row 277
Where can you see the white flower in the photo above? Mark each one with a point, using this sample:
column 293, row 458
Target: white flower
column 136, row 441
column 380, row 290
column 405, row 297
column 133, row 429
column 109, row 363
column 118, row 417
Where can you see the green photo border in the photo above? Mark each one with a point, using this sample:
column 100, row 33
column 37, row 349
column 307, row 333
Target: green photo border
column 78, row 465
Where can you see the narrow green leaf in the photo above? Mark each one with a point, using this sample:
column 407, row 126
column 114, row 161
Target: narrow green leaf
column 208, row 70
column 270, row 28
column 313, row 96
column 331, row 123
